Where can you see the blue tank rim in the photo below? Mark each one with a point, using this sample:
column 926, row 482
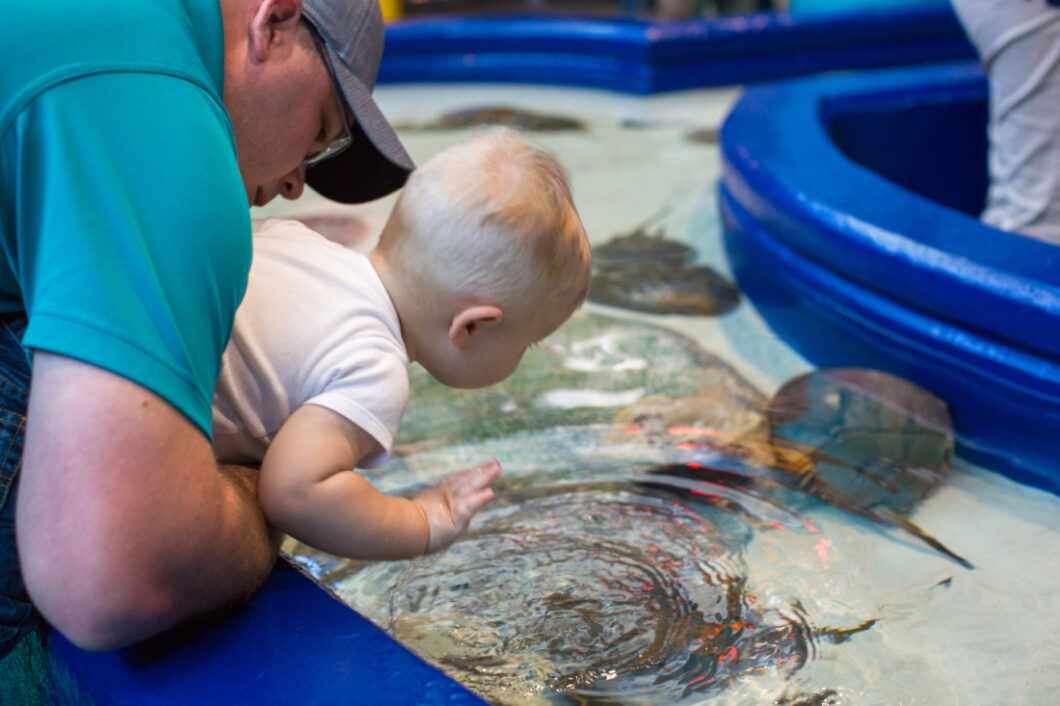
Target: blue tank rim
column 646, row 57
column 853, row 269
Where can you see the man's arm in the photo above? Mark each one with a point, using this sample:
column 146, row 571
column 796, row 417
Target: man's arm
column 309, row 490
column 125, row 524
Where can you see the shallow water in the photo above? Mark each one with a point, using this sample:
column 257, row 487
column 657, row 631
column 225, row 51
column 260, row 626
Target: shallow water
column 589, row 580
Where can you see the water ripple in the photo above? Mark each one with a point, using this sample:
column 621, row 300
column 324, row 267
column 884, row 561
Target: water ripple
column 597, row 591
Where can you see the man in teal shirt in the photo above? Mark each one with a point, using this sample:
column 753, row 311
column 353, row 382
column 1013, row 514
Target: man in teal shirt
column 133, row 136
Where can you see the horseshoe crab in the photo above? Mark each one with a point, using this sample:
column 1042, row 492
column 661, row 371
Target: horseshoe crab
column 650, row 273
column 525, row 120
column 631, row 249
column 880, row 443
column 703, row 136
column 867, row 442
column 662, row 289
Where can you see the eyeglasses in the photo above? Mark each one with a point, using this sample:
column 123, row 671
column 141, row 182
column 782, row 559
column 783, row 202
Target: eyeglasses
column 337, row 145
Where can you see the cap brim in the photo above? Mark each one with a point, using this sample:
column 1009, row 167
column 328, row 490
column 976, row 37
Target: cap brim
column 360, row 173
column 374, row 165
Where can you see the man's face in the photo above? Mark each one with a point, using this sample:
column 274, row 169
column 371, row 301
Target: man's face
column 282, row 108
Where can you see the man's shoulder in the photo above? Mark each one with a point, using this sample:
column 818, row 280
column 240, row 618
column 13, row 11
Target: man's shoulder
column 45, row 44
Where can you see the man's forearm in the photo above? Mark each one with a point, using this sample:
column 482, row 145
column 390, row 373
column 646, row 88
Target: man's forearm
column 245, row 480
column 253, row 540
column 126, row 525
column 216, row 563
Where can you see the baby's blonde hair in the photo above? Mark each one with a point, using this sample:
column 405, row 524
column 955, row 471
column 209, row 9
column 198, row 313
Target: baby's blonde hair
column 491, row 217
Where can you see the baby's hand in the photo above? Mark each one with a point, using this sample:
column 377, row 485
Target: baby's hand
column 451, row 504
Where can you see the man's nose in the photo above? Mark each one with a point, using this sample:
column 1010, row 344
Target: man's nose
column 292, row 185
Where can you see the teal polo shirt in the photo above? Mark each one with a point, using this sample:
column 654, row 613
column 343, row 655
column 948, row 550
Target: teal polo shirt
column 123, row 219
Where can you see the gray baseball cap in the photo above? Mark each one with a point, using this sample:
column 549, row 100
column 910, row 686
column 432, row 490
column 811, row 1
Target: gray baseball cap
column 375, row 163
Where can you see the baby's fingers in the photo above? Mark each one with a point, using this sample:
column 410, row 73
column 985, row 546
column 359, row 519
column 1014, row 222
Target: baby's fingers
column 470, row 480
column 466, row 508
column 471, row 491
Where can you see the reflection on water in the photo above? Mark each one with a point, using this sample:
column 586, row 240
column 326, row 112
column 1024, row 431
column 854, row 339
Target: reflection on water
column 593, row 585
column 601, row 572
column 598, row 591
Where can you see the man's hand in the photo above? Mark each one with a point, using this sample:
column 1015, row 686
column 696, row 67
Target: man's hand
column 450, row 505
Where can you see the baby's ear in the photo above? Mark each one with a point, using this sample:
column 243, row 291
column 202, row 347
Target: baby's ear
column 471, row 322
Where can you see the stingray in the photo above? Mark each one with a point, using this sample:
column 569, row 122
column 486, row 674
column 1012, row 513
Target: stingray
column 651, row 273
column 500, row 115
column 865, row 441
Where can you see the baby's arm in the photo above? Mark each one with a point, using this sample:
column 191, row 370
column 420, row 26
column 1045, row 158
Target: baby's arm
column 308, row 490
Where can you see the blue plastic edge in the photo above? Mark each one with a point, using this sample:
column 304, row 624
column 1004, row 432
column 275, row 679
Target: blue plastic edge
column 852, row 269
column 647, row 57
column 294, row 644
column 781, row 164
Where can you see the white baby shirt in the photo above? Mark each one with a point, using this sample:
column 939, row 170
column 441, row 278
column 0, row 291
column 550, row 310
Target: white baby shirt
column 316, row 327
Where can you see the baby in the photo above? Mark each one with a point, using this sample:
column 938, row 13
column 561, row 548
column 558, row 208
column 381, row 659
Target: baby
column 483, row 255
